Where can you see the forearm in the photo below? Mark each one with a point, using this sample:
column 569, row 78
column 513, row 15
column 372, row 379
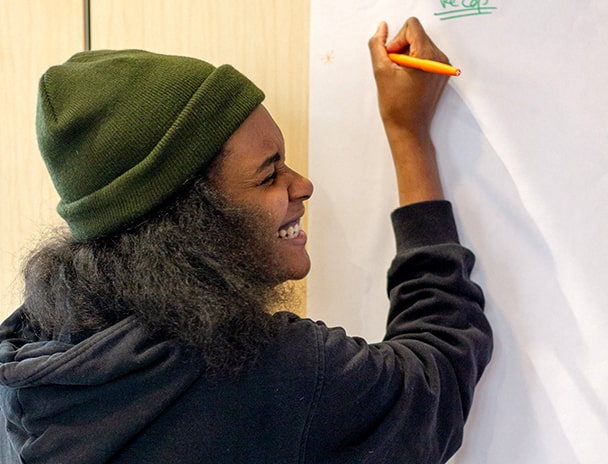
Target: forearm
column 416, row 170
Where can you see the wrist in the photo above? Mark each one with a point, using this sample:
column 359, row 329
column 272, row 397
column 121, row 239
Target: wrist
column 410, row 135
column 416, row 170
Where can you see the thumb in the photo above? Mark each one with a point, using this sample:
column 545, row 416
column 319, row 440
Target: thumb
column 377, row 43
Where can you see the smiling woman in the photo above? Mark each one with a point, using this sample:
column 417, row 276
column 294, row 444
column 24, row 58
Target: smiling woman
column 149, row 329
column 205, row 28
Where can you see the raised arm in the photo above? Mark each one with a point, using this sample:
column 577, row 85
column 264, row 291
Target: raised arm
column 407, row 100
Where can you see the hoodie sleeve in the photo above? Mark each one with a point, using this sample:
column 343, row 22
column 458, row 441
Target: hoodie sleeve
column 406, row 399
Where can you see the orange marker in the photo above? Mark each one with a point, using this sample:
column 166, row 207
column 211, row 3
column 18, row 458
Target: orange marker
column 425, row 65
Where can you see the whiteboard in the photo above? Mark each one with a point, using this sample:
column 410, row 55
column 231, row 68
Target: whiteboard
column 522, row 141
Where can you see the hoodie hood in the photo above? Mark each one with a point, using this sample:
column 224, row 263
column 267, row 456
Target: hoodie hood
column 83, row 402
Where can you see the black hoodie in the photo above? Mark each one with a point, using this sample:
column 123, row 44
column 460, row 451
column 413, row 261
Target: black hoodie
column 314, row 395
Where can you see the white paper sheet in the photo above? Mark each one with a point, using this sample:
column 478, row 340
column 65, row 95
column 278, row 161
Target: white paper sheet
column 522, row 138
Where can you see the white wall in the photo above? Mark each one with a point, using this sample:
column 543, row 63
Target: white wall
column 522, row 137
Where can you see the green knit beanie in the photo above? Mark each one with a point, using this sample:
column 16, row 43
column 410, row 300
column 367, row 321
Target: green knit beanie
column 122, row 131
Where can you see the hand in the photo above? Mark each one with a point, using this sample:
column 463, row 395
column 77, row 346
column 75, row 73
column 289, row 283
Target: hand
column 407, row 97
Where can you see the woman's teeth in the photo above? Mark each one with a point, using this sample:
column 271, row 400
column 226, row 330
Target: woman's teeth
column 290, row 231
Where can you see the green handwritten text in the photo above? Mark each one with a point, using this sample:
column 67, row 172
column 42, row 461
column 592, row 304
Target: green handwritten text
column 453, row 9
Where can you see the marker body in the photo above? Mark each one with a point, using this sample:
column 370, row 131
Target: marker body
column 425, row 65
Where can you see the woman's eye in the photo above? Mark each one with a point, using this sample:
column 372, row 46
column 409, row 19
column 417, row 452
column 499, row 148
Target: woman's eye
column 269, row 179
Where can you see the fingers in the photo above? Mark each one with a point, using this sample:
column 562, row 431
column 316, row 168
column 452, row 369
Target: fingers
column 413, row 40
column 401, row 40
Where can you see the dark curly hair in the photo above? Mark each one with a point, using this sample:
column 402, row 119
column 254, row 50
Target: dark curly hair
column 197, row 271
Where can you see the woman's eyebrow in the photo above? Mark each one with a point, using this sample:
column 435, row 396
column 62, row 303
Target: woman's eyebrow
column 269, row 161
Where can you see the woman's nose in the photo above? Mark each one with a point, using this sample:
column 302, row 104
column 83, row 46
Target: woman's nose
column 300, row 188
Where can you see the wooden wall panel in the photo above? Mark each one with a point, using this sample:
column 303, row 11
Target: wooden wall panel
column 34, row 34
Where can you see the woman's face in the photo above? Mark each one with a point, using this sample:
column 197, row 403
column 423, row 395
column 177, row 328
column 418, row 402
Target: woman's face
column 253, row 173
